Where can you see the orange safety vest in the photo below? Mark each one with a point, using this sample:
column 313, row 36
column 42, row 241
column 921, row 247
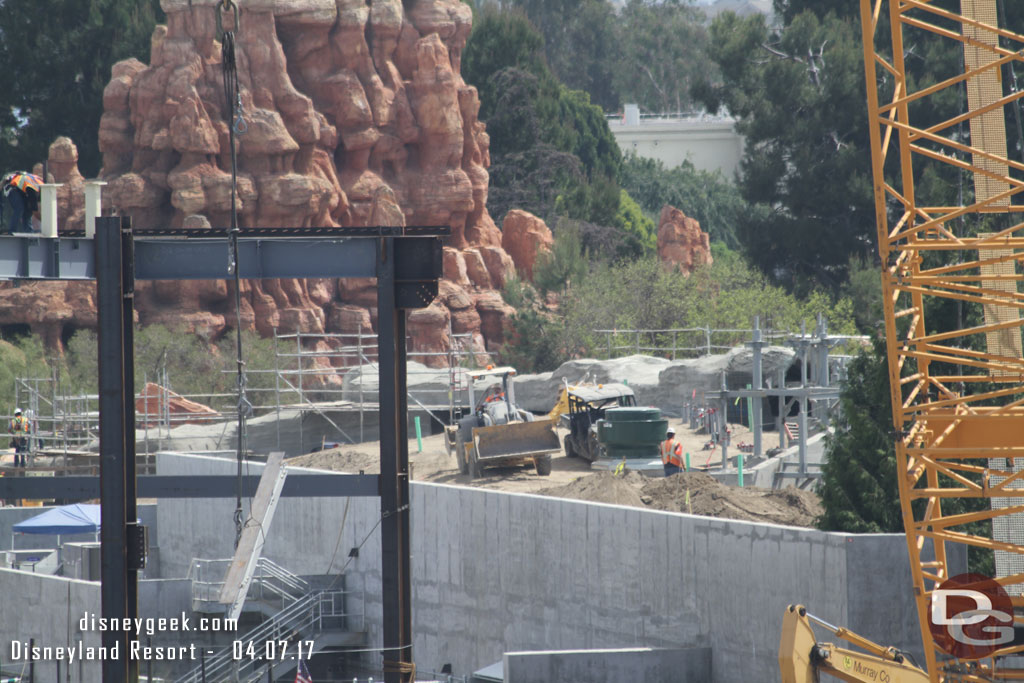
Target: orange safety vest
column 672, row 453
column 18, row 424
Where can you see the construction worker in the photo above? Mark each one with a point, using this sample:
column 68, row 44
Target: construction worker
column 21, row 191
column 18, row 429
column 672, row 454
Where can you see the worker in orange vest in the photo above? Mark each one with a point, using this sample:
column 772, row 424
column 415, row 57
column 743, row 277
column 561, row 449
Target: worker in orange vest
column 18, row 429
column 672, row 454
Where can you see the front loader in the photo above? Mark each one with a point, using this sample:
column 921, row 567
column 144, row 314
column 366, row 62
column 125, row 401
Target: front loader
column 498, row 433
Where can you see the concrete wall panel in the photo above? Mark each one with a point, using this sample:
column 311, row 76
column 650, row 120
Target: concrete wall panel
column 47, row 609
column 495, row 572
column 690, row 665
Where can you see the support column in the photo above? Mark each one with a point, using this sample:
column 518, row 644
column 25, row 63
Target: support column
column 118, row 597
column 394, row 467
column 723, row 439
column 129, row 469
column 757, row 383
column 93, row 206
column 802, row 437
column 780, row 422
column 48, row 209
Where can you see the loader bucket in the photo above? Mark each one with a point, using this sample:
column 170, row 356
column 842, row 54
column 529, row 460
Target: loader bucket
column 516, row 440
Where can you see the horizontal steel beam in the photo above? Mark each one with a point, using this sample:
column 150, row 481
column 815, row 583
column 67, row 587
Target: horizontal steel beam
column 46, row 259
column 206, row 258
column 812, row 393
column 188, row 486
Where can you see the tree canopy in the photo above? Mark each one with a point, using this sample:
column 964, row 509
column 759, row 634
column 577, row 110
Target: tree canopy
column 552, row 152
column 55, row 56
column 798, row 95
column 647, row 51
column 706, row 196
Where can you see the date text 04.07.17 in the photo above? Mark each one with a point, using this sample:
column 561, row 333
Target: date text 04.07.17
column 271, row 650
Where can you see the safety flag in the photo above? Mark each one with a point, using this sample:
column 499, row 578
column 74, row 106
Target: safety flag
column 302, row 673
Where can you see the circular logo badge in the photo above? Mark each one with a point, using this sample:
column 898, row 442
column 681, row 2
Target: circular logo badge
column 970, row 616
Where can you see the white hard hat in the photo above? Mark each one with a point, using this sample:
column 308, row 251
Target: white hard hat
column 17, row 411
column 671, row 430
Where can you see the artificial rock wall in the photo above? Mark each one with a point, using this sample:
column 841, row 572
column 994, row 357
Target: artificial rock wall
column 356, row 115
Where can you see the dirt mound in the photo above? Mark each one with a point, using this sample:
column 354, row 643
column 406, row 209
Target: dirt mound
column 339, row 461
column 695, row 493
column 708, row 496
column 602, row 487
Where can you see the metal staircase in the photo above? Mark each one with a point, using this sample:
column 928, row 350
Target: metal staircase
column 272, row 588
column 305, row 617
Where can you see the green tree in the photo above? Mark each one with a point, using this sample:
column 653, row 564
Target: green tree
column 859, row 482
column 55, row 56
column 663, row 53
column 641, row 230
column 579, row 39
column 859, row 488
column 552, row 152
column 798, row 95
column 536, row 343
column 562, row 266
column 21, row 357
column 195, row 366
column 706, row 196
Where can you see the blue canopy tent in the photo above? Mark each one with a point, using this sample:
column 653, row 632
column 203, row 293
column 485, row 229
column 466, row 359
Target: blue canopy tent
column 77, row 518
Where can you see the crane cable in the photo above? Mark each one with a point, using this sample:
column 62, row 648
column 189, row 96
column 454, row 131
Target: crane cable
column 236, row 125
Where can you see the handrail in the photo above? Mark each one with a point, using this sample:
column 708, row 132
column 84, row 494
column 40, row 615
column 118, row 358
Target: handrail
column 304, row 617
column 268, row 575
column 706, row 336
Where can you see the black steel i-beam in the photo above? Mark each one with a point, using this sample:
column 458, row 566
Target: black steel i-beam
column 78, row 487
column 408, row 264
column 116, row 403
column 394, row 468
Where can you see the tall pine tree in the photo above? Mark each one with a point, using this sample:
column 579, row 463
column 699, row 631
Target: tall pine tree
column 55, row 57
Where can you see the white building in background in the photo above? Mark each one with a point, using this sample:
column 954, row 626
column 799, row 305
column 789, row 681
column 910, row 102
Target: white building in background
column 710, row 142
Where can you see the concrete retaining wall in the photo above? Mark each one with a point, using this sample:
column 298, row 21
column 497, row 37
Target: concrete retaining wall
column 47, row 609
column 687, row 665
column 495, row 572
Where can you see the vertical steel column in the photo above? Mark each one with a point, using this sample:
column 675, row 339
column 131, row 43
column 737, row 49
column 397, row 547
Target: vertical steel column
column 723, row 427
column 757, row 382
column 780, row 422
column 113, row 532
column 394, row 466
column 128, row 392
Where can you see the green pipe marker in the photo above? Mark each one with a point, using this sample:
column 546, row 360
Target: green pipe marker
column 740, row 459
column 419, row 435
column 687, row 462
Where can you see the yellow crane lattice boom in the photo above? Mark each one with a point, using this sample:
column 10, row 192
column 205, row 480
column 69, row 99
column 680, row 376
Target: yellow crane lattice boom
column 957, row 394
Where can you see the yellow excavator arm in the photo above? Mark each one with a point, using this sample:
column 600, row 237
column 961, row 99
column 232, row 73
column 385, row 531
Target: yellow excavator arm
column 802, row 659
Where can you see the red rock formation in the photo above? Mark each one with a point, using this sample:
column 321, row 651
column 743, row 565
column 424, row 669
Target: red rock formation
column 62, row 167
column 524, row 237
column 356, row 114
column 155, row 400
column 681, row 242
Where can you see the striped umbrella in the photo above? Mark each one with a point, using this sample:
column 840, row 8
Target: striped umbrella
column 24, row 181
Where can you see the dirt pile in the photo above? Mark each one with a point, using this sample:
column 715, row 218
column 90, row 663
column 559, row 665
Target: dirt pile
column 572, row 478
column 695, row 493
column 338, row 460
column 602, row 487
column 712, row 498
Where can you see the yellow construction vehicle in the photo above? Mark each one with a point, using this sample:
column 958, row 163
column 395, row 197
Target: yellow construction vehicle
column 802, row 658
column 498, row 433
column 955, row 389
